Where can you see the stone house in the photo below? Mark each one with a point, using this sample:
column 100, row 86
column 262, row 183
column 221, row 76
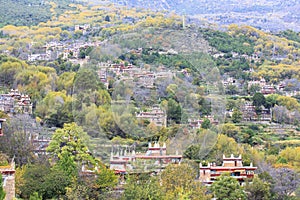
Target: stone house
column 8, row 178
column 232, row 165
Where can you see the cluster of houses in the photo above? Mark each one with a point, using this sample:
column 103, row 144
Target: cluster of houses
column 249, row 113
column 128, row 72
column 83, row 28
column 68, row 50
column 255, row 57
column 262, row 85
column 154, row 115
column 196, row 123
column 158, row 117
column 15, row 102
column 155, row 159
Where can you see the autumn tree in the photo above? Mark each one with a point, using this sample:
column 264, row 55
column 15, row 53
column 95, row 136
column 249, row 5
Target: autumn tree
column 55, row 109
column 9, row 70
column 178, row 182
column 230, row 130
column 211, row 146
column 291, row 155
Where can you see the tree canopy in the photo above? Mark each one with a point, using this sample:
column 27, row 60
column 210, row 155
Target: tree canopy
column 227, row 188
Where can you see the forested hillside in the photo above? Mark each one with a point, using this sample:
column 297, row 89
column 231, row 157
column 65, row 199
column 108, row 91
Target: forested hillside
column 92, row 74
column 31, row 12
column 270, row 15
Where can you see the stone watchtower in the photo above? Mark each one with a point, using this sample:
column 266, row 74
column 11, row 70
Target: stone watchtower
column 8, row 175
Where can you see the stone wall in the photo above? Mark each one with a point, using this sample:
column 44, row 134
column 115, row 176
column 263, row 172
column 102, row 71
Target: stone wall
column 9, row 187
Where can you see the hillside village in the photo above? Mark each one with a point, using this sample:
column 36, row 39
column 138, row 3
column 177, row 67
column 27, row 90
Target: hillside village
column 108, row 102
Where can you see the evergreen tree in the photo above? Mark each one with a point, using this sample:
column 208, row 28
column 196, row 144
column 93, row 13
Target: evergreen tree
column 258, row 101
column 206, row 124
column 227, row 188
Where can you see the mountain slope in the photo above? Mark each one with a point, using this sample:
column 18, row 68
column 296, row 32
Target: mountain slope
column 30, row 12
column 271, row 15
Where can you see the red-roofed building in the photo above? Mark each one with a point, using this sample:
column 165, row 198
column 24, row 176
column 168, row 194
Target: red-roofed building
column 232, row 165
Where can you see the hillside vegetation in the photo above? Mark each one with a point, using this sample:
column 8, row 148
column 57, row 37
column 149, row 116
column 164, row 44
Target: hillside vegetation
column 90, row 69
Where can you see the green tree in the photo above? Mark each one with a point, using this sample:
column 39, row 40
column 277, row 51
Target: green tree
column 258, row 189
column 271, row 100
column 231, row 89
column 174, row 111
column 258, row 101
column 142, row 187
column 86, row 80
column 70, row 153
column 55, row 183
column 77, row 191
column 204, row 106
column 40, row 179
column 254, row 89
column 34, row 177
column 178, row 182
column 2, row 192
column 230, row 130
column 106, row 179
column 237, row 116
column 35, row 196
column 227, row 188
column 69, row 148
column 205, row 124
column 107, row 18
column 55, row 109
